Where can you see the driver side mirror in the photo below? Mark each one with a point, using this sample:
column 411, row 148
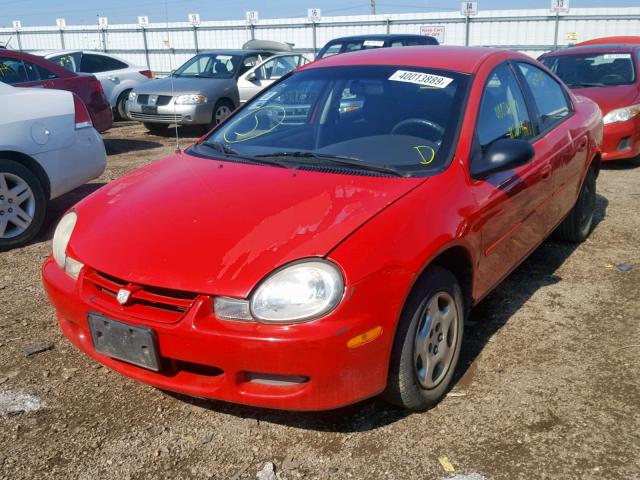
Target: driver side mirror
column 252, row 77
column 501, row 155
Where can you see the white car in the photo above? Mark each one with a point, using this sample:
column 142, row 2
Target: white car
column 267, row 72
column 48, row 147
column 117, row 76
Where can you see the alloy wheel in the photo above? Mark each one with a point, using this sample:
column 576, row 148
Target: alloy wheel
column 17, row 205
column 222, row 112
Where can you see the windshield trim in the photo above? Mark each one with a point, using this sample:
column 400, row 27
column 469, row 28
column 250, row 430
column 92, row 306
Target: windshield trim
column 456, row 130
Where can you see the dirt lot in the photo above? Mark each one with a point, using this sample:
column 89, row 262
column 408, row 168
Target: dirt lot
column 549, row 385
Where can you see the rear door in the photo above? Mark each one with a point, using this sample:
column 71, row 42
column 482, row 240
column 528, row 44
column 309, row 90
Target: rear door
column 562, row 135
column 106, row 69
column 512, row 204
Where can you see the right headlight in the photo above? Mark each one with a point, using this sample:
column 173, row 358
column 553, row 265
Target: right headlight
column 61, row 238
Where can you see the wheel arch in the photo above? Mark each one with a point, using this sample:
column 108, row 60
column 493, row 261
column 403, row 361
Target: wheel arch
column 32, row 165
column 596, row 163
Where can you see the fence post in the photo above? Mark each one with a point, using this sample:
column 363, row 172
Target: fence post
column 388, row 26
column 555, row 36
column 252, row 28
column 467, row 28
column 146, row 47
column 18, row 39
column 315, row 38
column 104, row 39
column 62, row 40
column 195, row 39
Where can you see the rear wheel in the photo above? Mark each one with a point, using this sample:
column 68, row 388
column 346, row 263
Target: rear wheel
column 579, row 223
column 121, row 104
column 23, row 205
column 427, row 343
column 156, row 128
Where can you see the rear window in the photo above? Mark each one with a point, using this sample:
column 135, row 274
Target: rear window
column 593, row 69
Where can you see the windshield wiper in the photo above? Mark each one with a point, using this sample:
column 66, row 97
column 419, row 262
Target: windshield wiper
column 339, row 160
column 232, row 153
column 586, row 84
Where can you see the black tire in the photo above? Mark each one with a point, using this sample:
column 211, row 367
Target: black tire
column 36, row 205
column 156, row 128
column 404, row 387
column 580, row 221
column 223, row 105
column 120, row 110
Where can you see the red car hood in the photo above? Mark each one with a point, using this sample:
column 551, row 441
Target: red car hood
column 610, row 98
column 217, row 227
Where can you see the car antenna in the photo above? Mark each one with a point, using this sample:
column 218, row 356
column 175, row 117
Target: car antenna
column 168, row 44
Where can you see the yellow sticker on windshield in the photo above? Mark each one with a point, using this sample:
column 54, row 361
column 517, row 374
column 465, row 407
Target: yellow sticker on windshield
column 426, row 153
column 255, row 131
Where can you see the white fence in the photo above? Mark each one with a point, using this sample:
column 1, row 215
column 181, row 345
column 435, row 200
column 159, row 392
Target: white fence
column 164, row 46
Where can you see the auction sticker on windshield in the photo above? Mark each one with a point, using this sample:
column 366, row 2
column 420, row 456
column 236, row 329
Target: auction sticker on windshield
column 224, row 58
column 423, row 79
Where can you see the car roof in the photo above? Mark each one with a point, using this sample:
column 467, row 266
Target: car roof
column 460, row 59
column 44, row 53
column 234, row 51
column 619, row 40
column 592, row 49
column 376, row 36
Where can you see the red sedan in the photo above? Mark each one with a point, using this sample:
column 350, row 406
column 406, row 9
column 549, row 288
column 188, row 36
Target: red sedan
column 325, row 243
column 22, row 69
column 609, row 74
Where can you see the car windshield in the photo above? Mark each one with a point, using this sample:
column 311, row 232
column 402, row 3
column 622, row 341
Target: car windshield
column 351, row 46
column 401, row 118
column 210, row 65
column 593, row 69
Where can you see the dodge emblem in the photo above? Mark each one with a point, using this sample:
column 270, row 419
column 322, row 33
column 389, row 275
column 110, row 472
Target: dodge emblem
column 123, row 296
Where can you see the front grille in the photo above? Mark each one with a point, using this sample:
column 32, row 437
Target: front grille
column 158, row 117
column 145, row 302
column 143, row 99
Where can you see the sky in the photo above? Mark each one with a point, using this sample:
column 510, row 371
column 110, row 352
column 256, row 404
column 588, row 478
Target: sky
column 45, row 12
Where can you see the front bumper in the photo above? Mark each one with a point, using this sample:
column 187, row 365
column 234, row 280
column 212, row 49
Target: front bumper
column 621, row 140
column 201, row 114
column 203, row 356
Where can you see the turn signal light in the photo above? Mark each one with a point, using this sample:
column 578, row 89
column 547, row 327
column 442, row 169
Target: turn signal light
column 364, row 338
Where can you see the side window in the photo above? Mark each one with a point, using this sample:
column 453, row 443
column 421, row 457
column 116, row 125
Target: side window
column 548, row 95
column 68, row 61
column 91, row 63
column 46, row 74
column 248, row 63
column 12, row 71
column 32, row 72
column 503, row 112
column 332, row 50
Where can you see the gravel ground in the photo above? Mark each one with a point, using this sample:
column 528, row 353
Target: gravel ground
column 549, row 385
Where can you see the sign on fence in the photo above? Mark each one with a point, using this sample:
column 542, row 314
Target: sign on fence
column 435, row 31
column 143, row 21
column 61, row 23
column 103, row 23
column 17, row 25
column 314, row 15
column 469, row 9
column 194, row 19
column 560, row 6
column 252, row 17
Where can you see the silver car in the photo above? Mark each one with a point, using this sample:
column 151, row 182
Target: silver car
column 48, row 147
column 203, row 91
column 117, row 75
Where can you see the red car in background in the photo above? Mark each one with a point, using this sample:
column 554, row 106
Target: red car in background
column 305, row 256
column 608, row 73
column 21, row 69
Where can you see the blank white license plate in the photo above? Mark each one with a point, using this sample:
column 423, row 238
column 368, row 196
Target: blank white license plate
column 129, row 343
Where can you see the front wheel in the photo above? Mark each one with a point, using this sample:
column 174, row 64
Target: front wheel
column 427, row 343
column 121, row 106
column 579, row 223
column 221, row 111
column 23, row 205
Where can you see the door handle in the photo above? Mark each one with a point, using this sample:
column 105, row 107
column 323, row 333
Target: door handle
column 546, row 172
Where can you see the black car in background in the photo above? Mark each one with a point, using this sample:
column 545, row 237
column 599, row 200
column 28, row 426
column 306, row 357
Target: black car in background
column 363, row 42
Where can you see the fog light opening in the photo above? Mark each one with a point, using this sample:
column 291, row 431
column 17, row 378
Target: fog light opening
column 364, row 338
column 276, row 380
column 624, row 144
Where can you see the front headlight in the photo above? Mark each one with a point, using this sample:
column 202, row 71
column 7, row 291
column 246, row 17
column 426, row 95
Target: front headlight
column 190, row 99
column 132, row 96
column 299, row 292
column 621, row 114
column 61, row 238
